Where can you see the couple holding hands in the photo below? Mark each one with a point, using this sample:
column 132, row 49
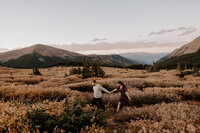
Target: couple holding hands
column 124, row 98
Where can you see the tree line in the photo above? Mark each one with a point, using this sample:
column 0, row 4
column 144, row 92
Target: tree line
column 89, row 69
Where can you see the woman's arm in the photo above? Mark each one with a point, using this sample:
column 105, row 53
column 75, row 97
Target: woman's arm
column 114, row 90
column 127, row 95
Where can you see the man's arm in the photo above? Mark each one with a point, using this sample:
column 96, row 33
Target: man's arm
column 103, row 89
column 113, row 90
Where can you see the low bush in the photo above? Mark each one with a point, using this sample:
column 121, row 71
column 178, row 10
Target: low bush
column 173, row 117
column 75, row 117
column 28, row 92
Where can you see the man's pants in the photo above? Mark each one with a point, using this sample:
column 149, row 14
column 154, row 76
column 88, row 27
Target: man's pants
column 100, row 102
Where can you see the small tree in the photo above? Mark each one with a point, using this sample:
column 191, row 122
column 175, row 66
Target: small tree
column 185, row 67
column 195, row 68
column 86, row 73
column 97, row 70
column 36, row 71
column 74, row 71
column 155, row 67
column 79, row 71
column 152, row 68
column 179, row 67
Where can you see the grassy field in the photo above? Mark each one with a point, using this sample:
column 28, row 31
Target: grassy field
column 160, row 101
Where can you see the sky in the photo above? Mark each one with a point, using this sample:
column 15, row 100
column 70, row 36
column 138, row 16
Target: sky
column 59, row 22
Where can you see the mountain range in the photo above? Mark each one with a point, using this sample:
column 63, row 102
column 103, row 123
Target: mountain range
column 143, row 58
column 188, row 54
column 45, row 56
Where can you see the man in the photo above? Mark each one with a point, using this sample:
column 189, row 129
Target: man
column 98, row 94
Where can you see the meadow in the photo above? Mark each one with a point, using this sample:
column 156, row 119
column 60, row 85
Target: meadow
column 160, row 101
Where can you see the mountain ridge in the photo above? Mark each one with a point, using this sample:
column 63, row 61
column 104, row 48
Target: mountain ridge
column 40, row 55
column 188, row 54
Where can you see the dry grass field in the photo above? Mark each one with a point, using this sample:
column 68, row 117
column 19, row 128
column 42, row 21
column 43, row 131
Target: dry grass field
column 160, row 101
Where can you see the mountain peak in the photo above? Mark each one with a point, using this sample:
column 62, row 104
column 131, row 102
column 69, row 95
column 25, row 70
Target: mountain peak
column 39, row 45
column 191, row 47
column 40, row 55
column 39, row 49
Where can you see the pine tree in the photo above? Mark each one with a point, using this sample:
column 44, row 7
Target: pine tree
column 79, row 71
column 86, row 73
column 155, row 67
column 36, row 71
column 185, row 67
column 179, row 67
column 97, row 70
column 195, row 68
column 100, row 72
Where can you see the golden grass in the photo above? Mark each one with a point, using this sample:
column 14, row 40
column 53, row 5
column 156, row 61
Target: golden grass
column 160, row 101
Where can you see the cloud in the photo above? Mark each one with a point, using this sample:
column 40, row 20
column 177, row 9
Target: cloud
column 117, row 45
column 99, row 39
column 185, row 31
column 161, row 32
column 3, row 50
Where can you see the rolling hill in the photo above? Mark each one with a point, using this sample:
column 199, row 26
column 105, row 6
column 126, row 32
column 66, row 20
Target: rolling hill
column 45, row 56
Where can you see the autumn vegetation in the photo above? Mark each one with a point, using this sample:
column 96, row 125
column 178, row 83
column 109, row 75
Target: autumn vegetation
column 58, row 101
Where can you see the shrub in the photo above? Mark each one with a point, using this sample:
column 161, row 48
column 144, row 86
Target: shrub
column 75, row 116
column 40, row 120
column 74, row 71
column 92, row 69
column 183, row 74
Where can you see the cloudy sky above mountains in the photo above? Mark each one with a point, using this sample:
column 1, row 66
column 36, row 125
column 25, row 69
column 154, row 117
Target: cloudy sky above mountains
column 139, row 25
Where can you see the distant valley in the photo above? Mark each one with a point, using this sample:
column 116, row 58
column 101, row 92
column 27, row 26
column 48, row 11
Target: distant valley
column 144, row 58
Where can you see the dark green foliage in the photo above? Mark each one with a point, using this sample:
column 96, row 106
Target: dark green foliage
column 65, row 75
column 44, row 121
column 86, row 69
column 182, row 74
column 190, row 60
column 73, row 118
column 153, row 68
column 74, row 71
column 36, row 71
column 138, row 67
column 185, row 67
column 92, row 69
column 196, row 71
column 196, row 74
column 97, row 70
column 180, row 67
column 82, row 88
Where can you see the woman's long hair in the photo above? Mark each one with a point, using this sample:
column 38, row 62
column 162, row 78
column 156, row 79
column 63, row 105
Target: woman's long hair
column 121, row 83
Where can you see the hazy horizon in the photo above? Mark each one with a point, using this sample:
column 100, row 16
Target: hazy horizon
column 66, row 22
